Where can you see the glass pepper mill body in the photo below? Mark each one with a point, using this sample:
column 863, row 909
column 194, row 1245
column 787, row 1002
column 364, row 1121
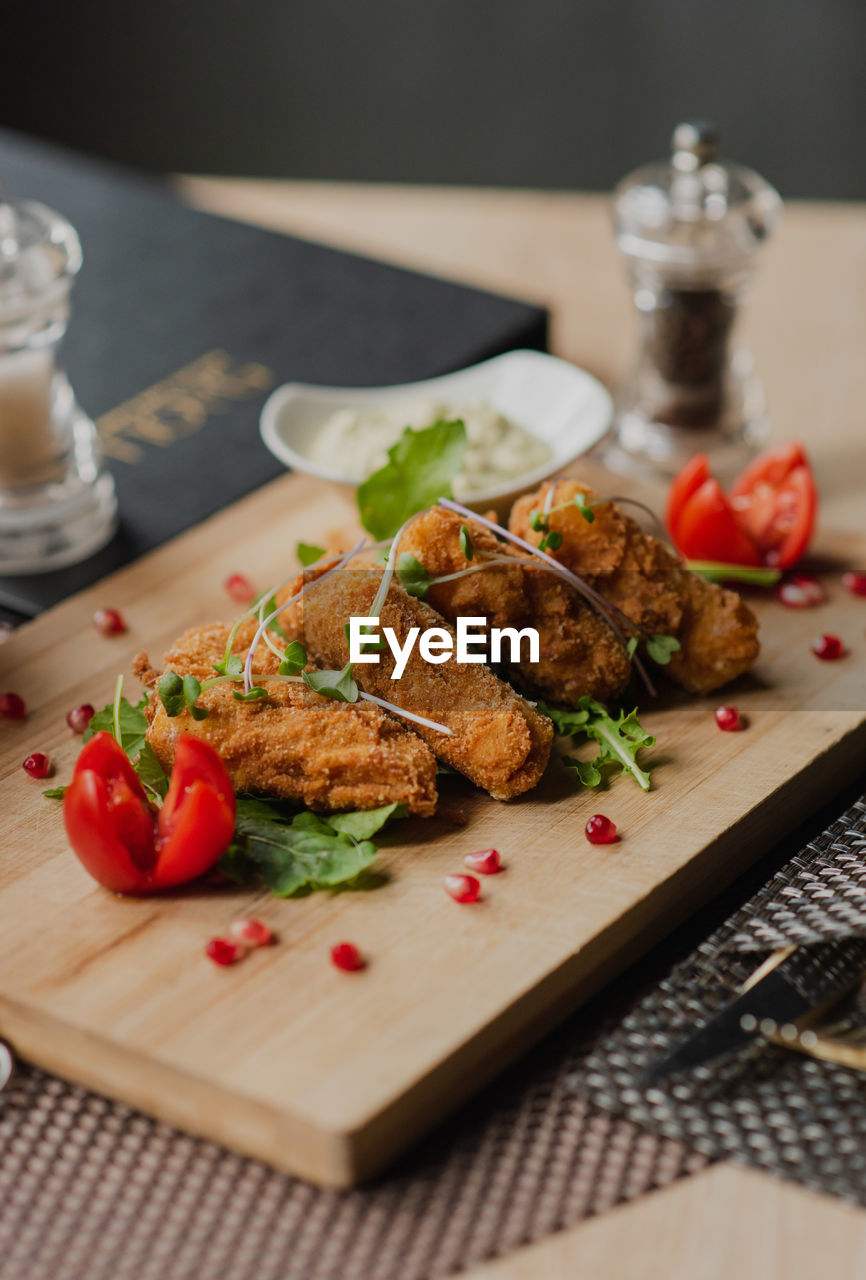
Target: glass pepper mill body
column 689, row 230
column 57, row 503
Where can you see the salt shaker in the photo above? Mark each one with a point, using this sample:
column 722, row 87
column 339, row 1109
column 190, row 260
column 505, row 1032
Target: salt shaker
column 690, row 229
column 57, row 502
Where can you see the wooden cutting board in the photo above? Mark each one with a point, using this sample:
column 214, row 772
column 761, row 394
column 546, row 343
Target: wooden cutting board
column 329, row 1075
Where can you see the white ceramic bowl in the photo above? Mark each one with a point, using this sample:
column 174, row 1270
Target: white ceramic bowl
column 551, row 399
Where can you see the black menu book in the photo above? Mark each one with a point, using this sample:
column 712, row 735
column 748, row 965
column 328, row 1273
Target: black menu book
column 182, row 323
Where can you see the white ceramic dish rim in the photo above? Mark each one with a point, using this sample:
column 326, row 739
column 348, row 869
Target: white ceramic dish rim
column 344, row 397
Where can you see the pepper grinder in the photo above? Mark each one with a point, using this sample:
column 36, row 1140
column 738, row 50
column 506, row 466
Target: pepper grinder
column 57, row 502
column 689, row 230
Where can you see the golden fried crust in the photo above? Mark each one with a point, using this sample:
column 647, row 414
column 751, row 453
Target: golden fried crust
column 637, row 573
column 579, row 653
column 497, row 739
column 295, row 744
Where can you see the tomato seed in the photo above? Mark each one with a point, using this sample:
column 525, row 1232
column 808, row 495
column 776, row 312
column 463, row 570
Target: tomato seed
column 346, row 956
column 12, row 706
column 728, row 718
column 240, row 588
column 79, row 717
column 600, row 830
column 253, row 933
column 828, row 648
column 486, row 862
column 109, row 622
column 462, row 888
column 37, row 765
column 224, row 951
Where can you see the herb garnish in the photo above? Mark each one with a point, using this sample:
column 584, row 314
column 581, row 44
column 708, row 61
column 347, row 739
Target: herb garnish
column 619, row 740
column 660, row 648
column 338, row 685
column 132, row 720
column 175, row 694
column 308, row 553
column 466, row 545
column 292, row 852
column 294, row 659
column 420, row 469
column 414, row 578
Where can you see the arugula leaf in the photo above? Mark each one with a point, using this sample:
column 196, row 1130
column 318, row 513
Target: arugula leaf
column 338, row 685
column 308, row 553
column 660, row 648
column 466, row 545
column 414, row 578
column 55, row 793
column 619, row 740
column 151, row 773
column 420, row 469
column 175, row 694
column 568, row 722
column 364, row 824
column 294, row 659
column 302, row 852
column 257, row 692
column 133, row 724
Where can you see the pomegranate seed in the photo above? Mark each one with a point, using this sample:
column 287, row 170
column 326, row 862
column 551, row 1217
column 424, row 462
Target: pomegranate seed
column 346, row 956
column 79, row 717
column 855, row 583
column 253, row 933
column 801, row 593
column 224, row 951
column 828, row 648
column 109, row 622
column 12, row 707
column 240, row 588
column 728, row 718
column 486, row 862
column 37, row 765
column 600, row 830
column 462, row 888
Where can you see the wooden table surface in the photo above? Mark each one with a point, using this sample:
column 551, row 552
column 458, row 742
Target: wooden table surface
column 806, row 323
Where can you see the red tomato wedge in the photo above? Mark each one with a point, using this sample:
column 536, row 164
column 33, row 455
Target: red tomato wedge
column 695, row 473
column 775, row 502
column 767, row 519
column 128, row 845
column 706, row 529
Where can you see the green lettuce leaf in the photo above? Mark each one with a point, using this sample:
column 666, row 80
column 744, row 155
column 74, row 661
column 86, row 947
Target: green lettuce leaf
column 420, row 469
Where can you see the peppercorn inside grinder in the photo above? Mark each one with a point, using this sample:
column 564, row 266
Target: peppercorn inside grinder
column 689, row 230
column 57, row 502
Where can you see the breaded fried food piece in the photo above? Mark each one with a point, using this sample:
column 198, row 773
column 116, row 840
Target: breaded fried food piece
column 295, row 744
column 497, row 739
column 579, row 652
column 718, row 633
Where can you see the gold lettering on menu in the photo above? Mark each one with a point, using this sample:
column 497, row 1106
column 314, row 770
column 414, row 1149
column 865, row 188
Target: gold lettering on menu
column 180, row 405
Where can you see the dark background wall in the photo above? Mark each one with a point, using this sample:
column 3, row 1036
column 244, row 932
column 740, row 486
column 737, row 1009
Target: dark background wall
column 551, row 93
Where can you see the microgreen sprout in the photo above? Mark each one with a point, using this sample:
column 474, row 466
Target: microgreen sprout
column 466, row 545
column 338, row 685
column 293, row 660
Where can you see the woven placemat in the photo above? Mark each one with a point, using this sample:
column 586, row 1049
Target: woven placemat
column 764, row 1106
column 91, row 1190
